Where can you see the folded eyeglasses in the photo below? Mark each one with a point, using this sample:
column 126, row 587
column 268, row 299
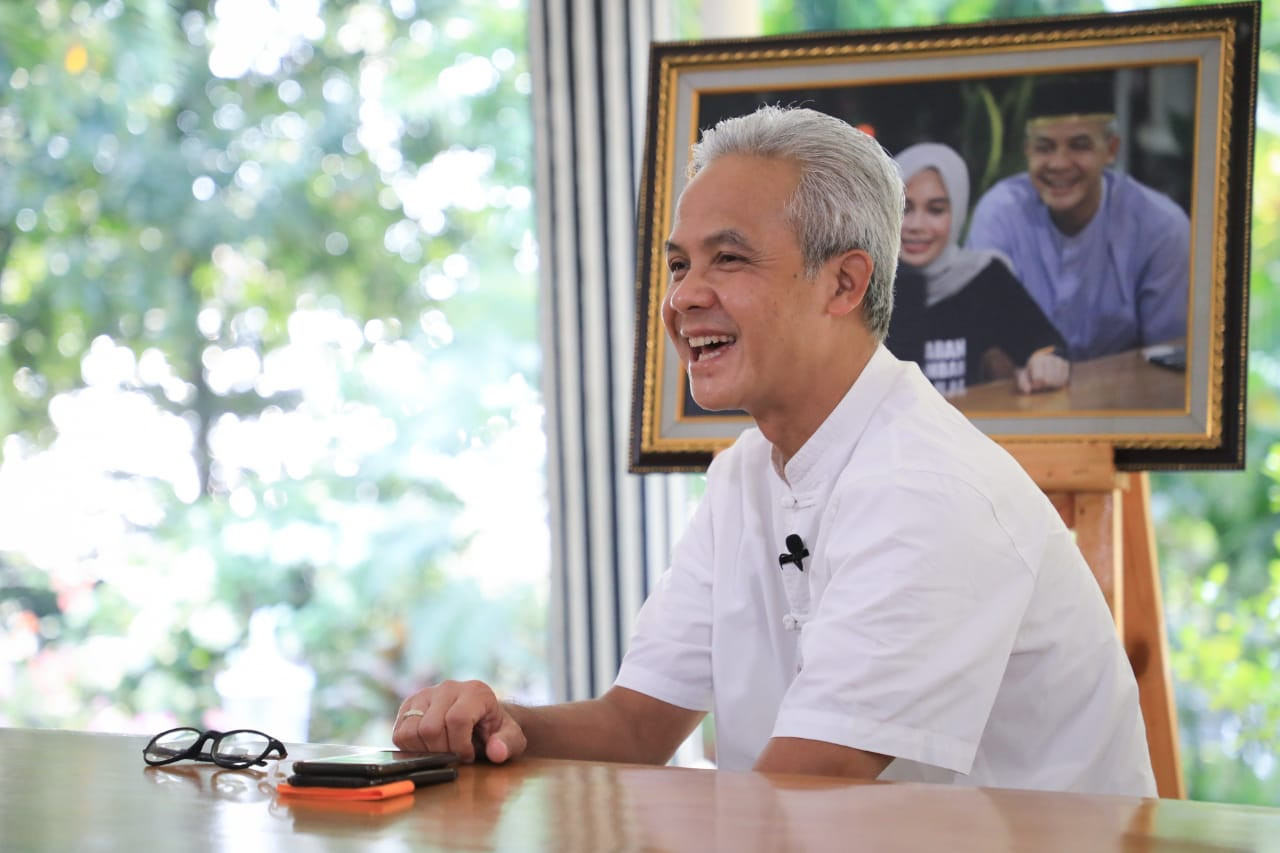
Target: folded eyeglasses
column 235, row 749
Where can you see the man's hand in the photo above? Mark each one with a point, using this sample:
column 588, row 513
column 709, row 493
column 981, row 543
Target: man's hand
column 466, row 718
column 461, row 717
column 1045, row 371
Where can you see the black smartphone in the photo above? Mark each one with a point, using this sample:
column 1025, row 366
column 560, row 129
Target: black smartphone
column 419, row 778
column 374, row 765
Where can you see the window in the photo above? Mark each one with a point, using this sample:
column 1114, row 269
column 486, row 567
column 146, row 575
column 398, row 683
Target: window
column 268, row 358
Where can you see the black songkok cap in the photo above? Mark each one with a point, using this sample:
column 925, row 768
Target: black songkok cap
column 1085, row 94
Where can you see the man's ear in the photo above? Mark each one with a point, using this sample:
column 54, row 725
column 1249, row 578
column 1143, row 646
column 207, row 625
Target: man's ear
column 853, row 275
column 1113, row 147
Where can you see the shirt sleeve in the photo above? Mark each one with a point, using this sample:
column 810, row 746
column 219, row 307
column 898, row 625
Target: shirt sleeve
column 669, row 655
column 1163, row 283
column 908, row 645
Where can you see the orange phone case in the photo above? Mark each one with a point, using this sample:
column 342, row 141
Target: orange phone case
column 372, row 792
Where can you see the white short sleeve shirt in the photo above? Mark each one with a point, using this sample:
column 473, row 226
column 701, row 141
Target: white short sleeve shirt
column 944, row 615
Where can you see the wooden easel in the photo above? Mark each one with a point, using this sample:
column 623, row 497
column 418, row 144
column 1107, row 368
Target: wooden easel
column 1110, row 511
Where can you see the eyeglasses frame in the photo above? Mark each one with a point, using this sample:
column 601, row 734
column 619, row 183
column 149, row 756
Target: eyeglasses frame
column 214, row 737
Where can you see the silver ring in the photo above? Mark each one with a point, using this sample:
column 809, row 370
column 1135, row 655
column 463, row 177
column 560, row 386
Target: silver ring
column 412, row 712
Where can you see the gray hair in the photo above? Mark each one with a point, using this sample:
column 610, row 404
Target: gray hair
column 850, row 194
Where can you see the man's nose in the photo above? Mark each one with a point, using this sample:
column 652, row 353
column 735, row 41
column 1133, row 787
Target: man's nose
column 690, row 292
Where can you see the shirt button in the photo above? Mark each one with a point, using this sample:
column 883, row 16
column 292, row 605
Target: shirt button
column 789, row 622
column 788, row 502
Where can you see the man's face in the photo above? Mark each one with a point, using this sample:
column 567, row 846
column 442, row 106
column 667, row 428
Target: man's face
column 926, row 224
column 1065, row 160
column 738, row 305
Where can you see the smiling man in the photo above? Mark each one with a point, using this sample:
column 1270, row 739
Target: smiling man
column 871, row 587
column 1105, row 257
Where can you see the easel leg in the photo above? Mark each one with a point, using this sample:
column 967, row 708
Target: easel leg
column 1144, row 635
column 1096, row 521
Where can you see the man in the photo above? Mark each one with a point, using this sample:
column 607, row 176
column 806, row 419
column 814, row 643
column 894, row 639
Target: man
column 928, row 616
column 1106, row 258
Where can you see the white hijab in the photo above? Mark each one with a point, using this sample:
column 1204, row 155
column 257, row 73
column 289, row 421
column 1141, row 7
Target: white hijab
column 955, row 267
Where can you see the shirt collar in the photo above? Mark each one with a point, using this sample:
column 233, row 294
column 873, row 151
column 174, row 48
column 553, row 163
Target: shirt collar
column 812, row 463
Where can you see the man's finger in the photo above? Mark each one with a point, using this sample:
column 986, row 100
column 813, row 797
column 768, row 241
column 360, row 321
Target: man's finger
column 460, row 726
column 417, row 728
column 496, row 750
column 507, row 741
column 421, row 726
column 405, row 734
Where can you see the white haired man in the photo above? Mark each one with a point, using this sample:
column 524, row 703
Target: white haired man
column 928, row 617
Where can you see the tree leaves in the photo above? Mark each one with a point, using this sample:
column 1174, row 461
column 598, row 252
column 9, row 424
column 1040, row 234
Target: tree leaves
column 229, row 224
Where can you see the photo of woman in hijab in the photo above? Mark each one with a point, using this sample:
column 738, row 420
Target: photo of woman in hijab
column 960, row 313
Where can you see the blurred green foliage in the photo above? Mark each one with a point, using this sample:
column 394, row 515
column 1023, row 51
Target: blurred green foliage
column 266, row 286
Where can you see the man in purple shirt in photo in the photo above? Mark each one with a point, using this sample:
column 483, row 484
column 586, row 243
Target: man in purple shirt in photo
column 1105, row 257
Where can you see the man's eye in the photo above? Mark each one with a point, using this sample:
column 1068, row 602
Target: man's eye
column 726, row 258
column 676, row 266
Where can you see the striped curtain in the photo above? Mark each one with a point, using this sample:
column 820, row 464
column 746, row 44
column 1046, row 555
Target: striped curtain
column 610, row 530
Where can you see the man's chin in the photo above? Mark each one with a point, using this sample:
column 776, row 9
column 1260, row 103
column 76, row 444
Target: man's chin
column 1059, row 201
column 710, row 401
column 713, row 404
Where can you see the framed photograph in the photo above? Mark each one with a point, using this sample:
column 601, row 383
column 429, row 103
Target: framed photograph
column 1146, row 300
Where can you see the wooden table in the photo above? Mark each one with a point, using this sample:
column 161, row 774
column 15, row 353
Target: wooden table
column 67, row 791
column 1123, row 381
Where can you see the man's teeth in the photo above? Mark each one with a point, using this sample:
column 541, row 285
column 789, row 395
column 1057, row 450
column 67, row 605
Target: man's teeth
column 708, row 340
column 710, row 346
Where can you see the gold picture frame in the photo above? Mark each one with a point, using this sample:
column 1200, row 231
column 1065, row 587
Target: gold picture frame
column 967, row 83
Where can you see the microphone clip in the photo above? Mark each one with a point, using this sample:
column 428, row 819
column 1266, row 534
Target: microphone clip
column 796, row 552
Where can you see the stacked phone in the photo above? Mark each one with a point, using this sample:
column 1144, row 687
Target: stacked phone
column 369, row 775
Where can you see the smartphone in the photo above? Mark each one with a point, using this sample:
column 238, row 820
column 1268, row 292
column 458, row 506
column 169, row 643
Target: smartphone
column 419, row 778
column 374, row 765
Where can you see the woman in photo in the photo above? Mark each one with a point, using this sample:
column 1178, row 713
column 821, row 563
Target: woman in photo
column 960, row 313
